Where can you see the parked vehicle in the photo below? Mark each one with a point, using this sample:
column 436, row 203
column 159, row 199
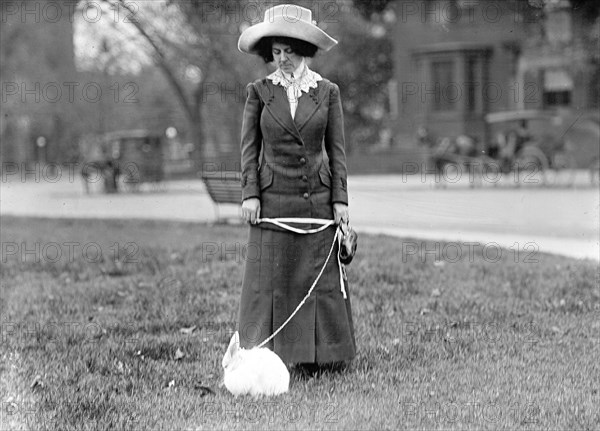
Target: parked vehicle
column 545, row 142
column 547, row 147
column 125, row 159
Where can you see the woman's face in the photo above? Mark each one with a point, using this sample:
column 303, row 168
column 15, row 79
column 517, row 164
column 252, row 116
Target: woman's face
column 285, row 58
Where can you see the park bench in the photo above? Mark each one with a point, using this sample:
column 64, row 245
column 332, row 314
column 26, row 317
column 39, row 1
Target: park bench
column 223, row 187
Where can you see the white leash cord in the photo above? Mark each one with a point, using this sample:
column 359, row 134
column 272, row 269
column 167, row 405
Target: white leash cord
column 282, row 222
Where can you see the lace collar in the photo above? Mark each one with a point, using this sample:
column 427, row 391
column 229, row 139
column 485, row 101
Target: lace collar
column 307, row 80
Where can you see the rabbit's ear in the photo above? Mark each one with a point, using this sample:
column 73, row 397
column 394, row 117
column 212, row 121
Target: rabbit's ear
column 231, row 350
column 234, row 344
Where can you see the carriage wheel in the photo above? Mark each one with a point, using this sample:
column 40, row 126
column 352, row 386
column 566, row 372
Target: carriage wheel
column 530, row 166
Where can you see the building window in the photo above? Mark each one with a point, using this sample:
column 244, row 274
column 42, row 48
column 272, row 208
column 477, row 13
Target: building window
column 442, row 76
column 452, row 80
column 557, row 98
column 558, row 86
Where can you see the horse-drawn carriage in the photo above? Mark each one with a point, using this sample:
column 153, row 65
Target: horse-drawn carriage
column 529, row 146
column 122, row 160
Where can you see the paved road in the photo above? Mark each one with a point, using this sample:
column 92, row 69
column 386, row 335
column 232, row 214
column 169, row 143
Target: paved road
column 562, row 221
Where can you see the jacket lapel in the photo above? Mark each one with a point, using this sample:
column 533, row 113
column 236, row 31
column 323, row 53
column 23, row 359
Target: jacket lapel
column 308, row 104
column 279, row 108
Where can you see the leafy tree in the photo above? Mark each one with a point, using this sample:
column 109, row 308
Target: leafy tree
column 362, row 66
column 369, row 7
column 204, row 47
column 33, row 104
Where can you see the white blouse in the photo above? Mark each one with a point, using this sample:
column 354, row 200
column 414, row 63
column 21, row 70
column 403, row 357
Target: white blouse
column 304, row 79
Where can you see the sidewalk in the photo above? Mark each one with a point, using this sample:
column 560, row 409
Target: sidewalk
column 562, row 221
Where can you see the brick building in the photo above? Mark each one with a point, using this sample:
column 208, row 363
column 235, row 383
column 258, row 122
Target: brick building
column 456, row 61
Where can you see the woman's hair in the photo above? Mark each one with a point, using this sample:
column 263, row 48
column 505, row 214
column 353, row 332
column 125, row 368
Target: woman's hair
column 264, row 47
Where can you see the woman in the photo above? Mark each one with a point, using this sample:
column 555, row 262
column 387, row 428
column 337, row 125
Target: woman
column 292, row 119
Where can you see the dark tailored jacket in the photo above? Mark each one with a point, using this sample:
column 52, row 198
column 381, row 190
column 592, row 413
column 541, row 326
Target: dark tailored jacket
column 295, row 177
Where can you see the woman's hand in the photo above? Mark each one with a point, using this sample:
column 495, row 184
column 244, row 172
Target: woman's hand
column 340, row 213
column 251, row 210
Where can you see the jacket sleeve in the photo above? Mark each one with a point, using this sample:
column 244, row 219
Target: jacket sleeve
column 251, row 143
column 335, row 147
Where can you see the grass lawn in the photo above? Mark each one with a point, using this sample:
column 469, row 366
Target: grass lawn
column 123, row 324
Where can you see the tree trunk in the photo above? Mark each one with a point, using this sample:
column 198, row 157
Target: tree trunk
column 197, row 133
column 197, row 127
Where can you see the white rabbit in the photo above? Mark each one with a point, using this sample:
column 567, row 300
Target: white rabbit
column 257, row 371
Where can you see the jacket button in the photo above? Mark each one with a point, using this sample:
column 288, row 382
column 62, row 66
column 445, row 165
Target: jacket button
column 304, row 178
column 303, row 160
column 305, row 195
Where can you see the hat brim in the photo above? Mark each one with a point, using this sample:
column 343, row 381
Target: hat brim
column 298, row 30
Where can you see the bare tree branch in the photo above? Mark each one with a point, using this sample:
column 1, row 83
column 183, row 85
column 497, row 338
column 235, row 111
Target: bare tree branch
column 161, row 57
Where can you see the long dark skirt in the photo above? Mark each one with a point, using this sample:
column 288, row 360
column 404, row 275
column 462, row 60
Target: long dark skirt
column 280, row 267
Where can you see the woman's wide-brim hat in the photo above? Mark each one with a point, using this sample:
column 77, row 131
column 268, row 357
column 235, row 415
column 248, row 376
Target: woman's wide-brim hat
column 286, row 20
